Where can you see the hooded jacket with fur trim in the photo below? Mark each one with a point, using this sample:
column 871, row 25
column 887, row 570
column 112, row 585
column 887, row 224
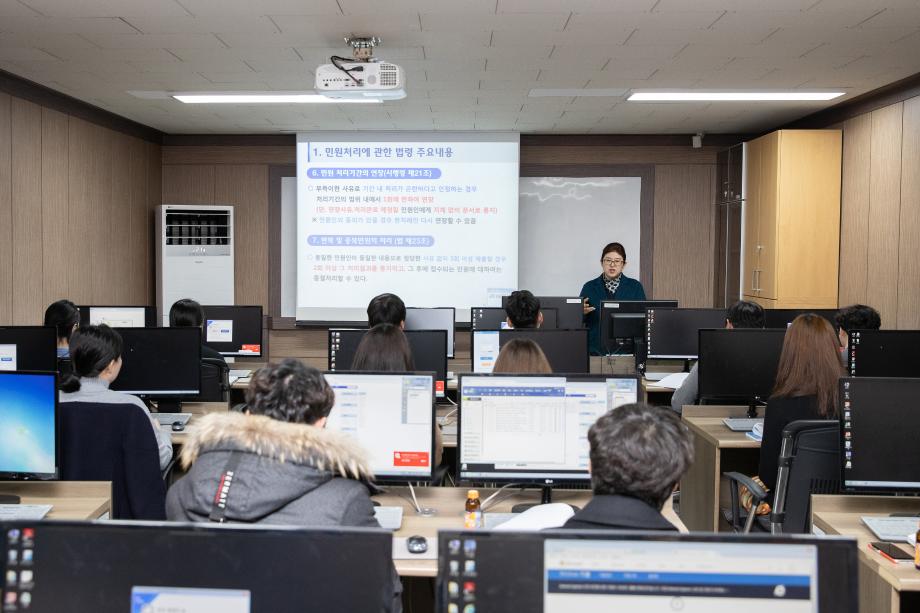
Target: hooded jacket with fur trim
column 291, row 474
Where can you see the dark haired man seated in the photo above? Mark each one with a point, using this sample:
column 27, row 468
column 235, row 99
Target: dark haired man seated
column 523, row 310
column 386, row 309
column 638, row 455
column 854, row 317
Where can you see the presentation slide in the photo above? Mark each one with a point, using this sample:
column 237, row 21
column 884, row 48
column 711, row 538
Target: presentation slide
column 432, row 217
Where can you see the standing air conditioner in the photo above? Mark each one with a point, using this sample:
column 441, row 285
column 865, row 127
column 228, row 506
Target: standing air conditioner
column 194, row 255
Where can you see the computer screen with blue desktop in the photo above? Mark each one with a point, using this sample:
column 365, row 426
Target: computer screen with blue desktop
column 28, row 348
column 28, row 425
column 533, row 429
column 391, row 415
column 565, row 571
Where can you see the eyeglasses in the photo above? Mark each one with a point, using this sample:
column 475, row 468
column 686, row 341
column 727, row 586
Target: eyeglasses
column 616, row 262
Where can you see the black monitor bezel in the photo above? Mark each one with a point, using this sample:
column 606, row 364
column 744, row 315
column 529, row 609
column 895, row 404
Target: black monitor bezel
column 852, row 350
column 606, row 313
column 58, row 455
column 729, row 398
column 579, row 481
column 394, row 479
column 587, row 361
column 240, row 354
column 150, row 312
column 648, row 333
column 452, row 336
column 52, row 331
column 545, row 326
column 156, row 394
column 561, row 304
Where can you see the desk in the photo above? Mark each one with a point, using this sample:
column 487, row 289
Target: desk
column 198, row 410
column 883, row 586
column 73, row 500
column 449, row 502
column 716, row 450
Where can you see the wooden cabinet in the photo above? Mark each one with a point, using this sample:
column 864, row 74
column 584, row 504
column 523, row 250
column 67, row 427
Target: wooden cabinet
column 792, row 219
column 729, row 169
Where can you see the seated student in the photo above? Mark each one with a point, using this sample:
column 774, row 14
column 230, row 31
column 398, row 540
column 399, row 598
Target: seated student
column 96, row 355
column 384, row 348
column 522, row 356
column 386, row 309
column 742, row 314
column 187, row 313
column 806, row 386
column 854, row 317
column 638, row 455
column 286, row 467
column 64, row 316
column 523, row 310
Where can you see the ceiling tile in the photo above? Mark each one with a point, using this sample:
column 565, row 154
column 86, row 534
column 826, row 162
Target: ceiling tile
column 576, row 6
column 376, row 7
column 203, row 25
column 153, row 41
column 106, row 8
column 532, row 23
column 261, row 7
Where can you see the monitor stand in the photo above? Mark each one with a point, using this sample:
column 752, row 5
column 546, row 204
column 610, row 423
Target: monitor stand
column 752, row 406
column 546, row 497
column 169, row 405
column 687, row 365
column 9, row 499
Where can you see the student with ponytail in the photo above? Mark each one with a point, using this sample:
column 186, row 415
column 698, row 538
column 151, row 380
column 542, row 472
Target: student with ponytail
column 64, row 317
column 96, row 355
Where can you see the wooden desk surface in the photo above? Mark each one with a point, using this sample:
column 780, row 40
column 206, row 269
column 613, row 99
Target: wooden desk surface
column 840, row 515
column 197, row 409
column 76, row 500
column 715, row 432
column 449, row 501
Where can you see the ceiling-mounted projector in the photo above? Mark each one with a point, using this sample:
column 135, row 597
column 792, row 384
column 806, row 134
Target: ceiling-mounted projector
column 362, row 77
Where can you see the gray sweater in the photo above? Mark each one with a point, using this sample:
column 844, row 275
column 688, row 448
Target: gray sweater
column 689, row 390
column 94, row 389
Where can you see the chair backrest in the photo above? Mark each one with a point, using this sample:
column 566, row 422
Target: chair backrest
column 114, row 442
column 809, row 463
column 215, row 381
column 65, row 368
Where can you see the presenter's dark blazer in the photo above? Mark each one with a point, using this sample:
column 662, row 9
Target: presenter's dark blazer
column 596, row 292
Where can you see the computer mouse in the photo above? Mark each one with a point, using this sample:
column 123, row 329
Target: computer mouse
column 178, row 426
column 417, row 544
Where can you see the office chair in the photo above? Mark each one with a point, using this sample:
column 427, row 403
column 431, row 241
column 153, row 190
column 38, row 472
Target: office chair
column 809, row 463
column 65, row 368
column 215, row 381
column 114, row 442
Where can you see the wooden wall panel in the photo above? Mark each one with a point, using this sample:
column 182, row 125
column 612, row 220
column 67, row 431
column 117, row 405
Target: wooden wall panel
column 188, row 184
column 154, row 199
column 6, row 213
column 26, row 129
column 246, row 188
column 123, row 266
column 138, row 220
column 684, row 213
column 854, row 211
column 57, row 256
column 618, row 155
column 909, row 245
column 884, row 212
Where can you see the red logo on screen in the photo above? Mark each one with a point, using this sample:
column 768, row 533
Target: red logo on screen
column 410, row 458
column 439, row 387
column 251, row 348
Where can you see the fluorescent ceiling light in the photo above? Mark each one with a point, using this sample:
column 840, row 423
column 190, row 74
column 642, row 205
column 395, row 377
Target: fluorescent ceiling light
column 574, row 91
column 730, row 96
column 264, row 98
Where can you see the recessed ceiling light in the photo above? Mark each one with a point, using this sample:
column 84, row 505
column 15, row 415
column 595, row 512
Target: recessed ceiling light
column 575, row 91
column 730, row 96
column 264, row 98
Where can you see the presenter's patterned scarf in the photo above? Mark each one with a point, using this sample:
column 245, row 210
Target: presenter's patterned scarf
column 612, row 284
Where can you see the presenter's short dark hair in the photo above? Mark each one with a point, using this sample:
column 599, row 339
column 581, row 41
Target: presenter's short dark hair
column 640, row 451
column 290, row 391
column 857, row 317
column 185, row 313
column 745, row 314
column 64, row 316
column 386, row 309
column 523, row 309
column 614, row 248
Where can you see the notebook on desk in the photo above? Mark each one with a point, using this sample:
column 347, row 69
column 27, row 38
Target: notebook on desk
column 24, row 512
column 895, row 529
column 240, row 373
column 389, row 518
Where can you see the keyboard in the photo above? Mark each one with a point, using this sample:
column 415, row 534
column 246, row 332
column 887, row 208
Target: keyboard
column 741, row 424
column 168, row 419
column 389, row 518
column 240, row 374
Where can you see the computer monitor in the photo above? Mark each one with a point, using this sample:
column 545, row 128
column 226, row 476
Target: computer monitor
column 429, row 352
column 119, row 316
column 154, row 567
column 674, row 333
column 533, row 428
column 391, row 415
column 739, row 366
column 566, row 350
column 29, row 440
column 160, row 362
column 495, row 318
column 883, row 353
column 879, row 422
column 28, row 348
column 623, row 322
column 781, row 318
column 440, row 318
column 564, row 571
column 569, row 311
column 233, row 330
